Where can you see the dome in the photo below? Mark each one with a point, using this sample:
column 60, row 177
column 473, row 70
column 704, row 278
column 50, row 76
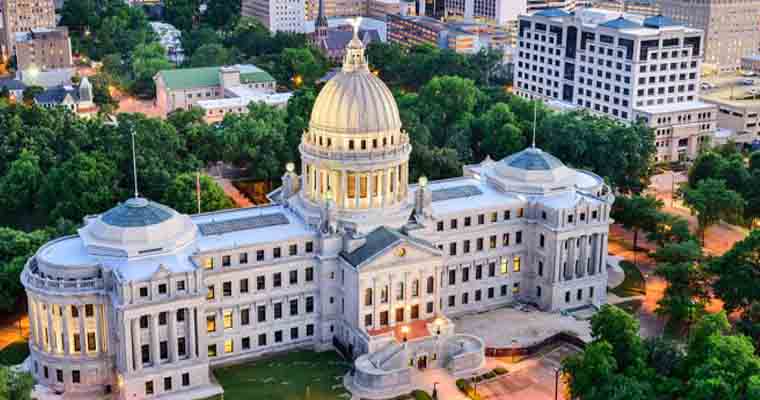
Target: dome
column 533, row 159
column 355, row 100
column 137, row 227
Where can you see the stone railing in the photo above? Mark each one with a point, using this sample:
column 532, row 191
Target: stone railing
column 32, row 279
column 380, row 155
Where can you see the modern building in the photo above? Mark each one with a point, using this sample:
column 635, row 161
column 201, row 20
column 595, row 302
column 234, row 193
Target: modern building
column 497, row 12
column 731, row 27
column 77, row 98
column 647, row 8
column 277, row 15
column 621, row 65
column 380, row 9
column 143, row 301
column 538, row 5
column 217, row 90
column 43, row 49
column 462, row 37
column 23, row 16
column 171, row 40
column 738, row 113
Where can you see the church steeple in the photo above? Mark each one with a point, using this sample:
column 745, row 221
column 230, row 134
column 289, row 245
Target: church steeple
column 320, row 26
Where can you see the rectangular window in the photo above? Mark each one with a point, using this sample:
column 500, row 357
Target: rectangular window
column 210, row 293
column 259, row 255
column 481, row 219
column 180, row 286
column 467, row 221
column 504, row 266
column 75, row 377
column 227, row 289
column 77, row 344
column 453, row 224
column 262, row 339
column 479, row 244
column 505, row 239
column 429, row 307
column 309, row 274
column 245, row 344
column 293, row 250
column 277, row 279
column 494, row 217
column 383, row 318
column 492, row 242
column 452, row 277
column 478, row 272
column 490, row 293
column 452, row 301
column 277, row 310
column 294, row 333
column 228, row 346
column 244, row 285
column 148, row 388
column 439, row 226
column 211, row 350
column 208, row 263
column 186, row 379
column 225, row 261
column 507, row 215
column 503, row 290
column 518, row 236
column 277, row 252
column 161, row 289
column 261, row 283
column 243, row 258
column 293, row 278
column 91, row 341
column 163, row 350
column 452, row 249
column 309, row 247
column 278, row 336
column 516, row 264
column 145, row 353
column 465, row 274
column 294, row 307
column 491, row 269
column 310, row 330
column 181, row 347
column 245, row 316
column 310, row 304
column 210, row 323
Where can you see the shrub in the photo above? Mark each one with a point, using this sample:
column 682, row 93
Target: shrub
column 489, row 375
column 421, row 395
column 462, row 385
column 500, row 371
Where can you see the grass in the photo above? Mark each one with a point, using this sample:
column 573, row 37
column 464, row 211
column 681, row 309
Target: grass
column 286, row 377
column 14, row 353
column 633, row 285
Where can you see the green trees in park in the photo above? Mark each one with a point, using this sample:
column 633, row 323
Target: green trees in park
column 209, row 55
column 712, row 201
column 714, row 363
column 182, row 195
column 687, row 290
column 637, row 213
column 15, row 385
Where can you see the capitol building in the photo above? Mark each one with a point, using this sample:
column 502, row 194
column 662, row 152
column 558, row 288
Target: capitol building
column 144, row 301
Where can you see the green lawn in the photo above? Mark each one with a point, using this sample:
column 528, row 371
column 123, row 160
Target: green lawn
column 633, row 285
column 14, row 353
column 286, row 377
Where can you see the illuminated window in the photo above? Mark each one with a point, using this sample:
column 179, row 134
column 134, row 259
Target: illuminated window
column 210, row 293
column 516, row 264
column 504, row 266
column 228, row 348
column 210, row 323
column 228, row 320
column 516, row 288
column 212, row 350
column 208, row 263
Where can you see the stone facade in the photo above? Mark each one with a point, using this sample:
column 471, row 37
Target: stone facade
column 143, row 301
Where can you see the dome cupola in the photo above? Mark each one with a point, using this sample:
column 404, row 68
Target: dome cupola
column 137, row 227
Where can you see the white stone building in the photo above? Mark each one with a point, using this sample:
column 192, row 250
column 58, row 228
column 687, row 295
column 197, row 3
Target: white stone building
column 621, row 65
column 143, row 301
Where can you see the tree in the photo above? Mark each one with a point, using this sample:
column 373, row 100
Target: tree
column 182, row 196
column 621, row 330
column 298, row 66
column 670, row 229
column 192, row 40
column 20, row 184
column 686, row 295
column 712, row 201
column 637, row 213
column 496, row 133
column 86, row 184
column 31, row 92
column 587, row 371
column 222, row 14
column 15, row 385
column 726, row 370
column 706, row 165
column 698, row 342
column 182, row 13
column 444, row 111
column 15, row 248
column 737, row 274
column 209, row 55
column 79, row 14
column 147, row 61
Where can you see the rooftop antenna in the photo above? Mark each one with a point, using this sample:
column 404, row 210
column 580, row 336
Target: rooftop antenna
column 535, row 104
column 134, row 163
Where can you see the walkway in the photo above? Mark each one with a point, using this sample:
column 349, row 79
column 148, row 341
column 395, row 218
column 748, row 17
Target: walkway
column 233, row 193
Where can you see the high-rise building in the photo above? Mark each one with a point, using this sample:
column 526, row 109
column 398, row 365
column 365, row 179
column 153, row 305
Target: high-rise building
column 621, row 65
column 336, row 8
column 43, row 49
column 732, row 27
column 277, row 15
column 499, row 12
column 23, row 16
column 646, row 8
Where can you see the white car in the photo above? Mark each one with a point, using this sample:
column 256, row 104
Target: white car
column 748, row 73
column 707, row 86
column 747, row 82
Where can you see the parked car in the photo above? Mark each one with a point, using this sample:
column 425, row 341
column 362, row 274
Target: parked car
column 747, row 82
column 707, row 86
column 748, row 73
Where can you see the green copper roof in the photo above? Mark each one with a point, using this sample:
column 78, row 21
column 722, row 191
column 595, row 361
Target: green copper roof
column 188, row 78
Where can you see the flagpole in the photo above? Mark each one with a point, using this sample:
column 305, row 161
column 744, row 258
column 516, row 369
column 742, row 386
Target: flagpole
column 198, row 190
column 134, row 162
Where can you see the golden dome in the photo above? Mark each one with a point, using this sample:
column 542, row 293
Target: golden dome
column 355, row 100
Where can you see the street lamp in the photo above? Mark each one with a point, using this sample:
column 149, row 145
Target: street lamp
column 405, row 332
column 556, row 382
column 435, row 391
column 438, row 322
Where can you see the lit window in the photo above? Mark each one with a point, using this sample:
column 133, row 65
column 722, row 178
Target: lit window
column 516, row 288
column 504, row 266
column 228, row 346
column 210, row 323
column 228, row 320
column 210, row 293
column 208, row 263
column 516, row 264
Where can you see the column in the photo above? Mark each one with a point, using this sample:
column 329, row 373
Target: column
column 50, row 331
column 382, row 187
column 370, row 178
column 344, row 188
column 603, row 252
column 82, row 331
column 405, row 179
column 357, row 190
column 155, row 355
column 558, row 262
column 128, row 345
column 190, row 332
column 136, row 343
column 318, row 177
column 172, row 335
column 304, row 181
column 65, row 330
column 100, row 317
column 32, row 321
